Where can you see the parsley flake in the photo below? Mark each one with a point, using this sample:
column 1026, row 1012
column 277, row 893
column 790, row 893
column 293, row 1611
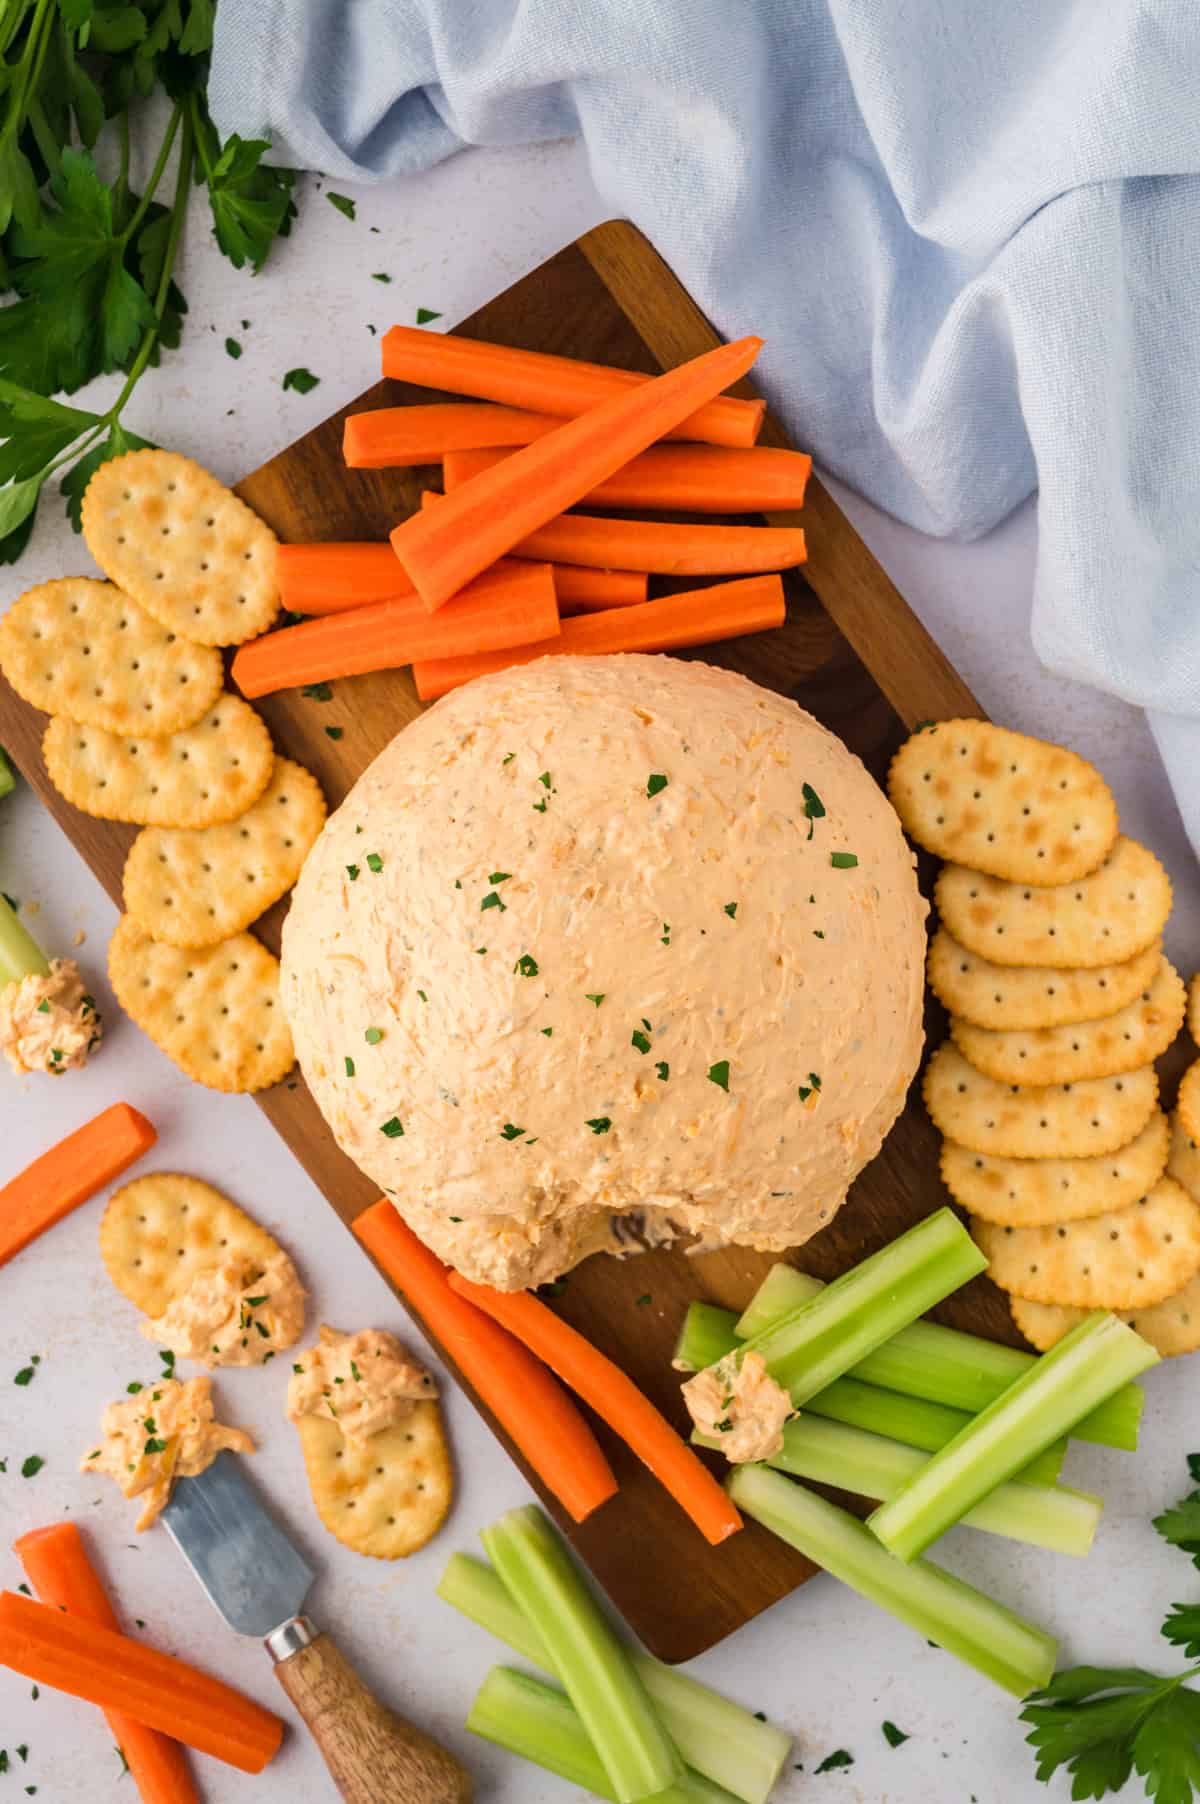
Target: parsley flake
column 544, row 779
column 380, row 275
column 499, row 876
column 665, row 939
column 134, row 1387
column 526, row 966
column 392, row 1127
column 302, row 380
column 663, row 1070
column 549, row 1032
column 804, row 1091
column 342, row 202
column 492, row 900
column 43, row 1007
column 832, row 1761
column 892, row 1735
column 731, row 910
column 600, row 1124
column 349, row 1066
column 644, row 1299
column 595, row 998
column 333, row 732
column 32, row 1466
column 352, row 872
column 154, row 1446
column 510, row 1131
column 355, row 1373
column 656, row 783
column 638, row 1039
column 233, row 348
column 374, row 862
column 425, row 315
column 814, row 809
column 718, row 1074
column 507, row 758
column 843, row 861
column 24, row 1376
column 422, row 995
column 317, row 692
column 373, row 1036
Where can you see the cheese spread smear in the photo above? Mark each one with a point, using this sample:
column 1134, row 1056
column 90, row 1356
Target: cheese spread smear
column 364, row 1382
column 49, row 1023
column 239, row 1313
column 739, row 1405
column 165, row 1431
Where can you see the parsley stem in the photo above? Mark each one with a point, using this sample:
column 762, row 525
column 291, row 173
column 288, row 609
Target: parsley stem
column 156, row 174
column 32, row 54
column 183, row 176
column 198, row 127
column 122, row 187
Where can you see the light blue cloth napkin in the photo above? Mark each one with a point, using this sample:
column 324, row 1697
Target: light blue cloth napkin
column 969, row 231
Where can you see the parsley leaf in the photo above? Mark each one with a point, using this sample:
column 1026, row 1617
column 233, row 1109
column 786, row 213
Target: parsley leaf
column 510, row 1131
column 526, row 965
column 892, row 1735
column 831, row 1762
column 32, row 1466
column 595, row 997
column 251, row 201
column 302, row 380
column 638, row 1039
column 656, row 783
column 718, row 1074
column 425, row 314
column 731, row 910
column 392, row 1127
column 1182, row 1629
column 1101, row 1724
column 342, row 202
column 24, row 1376
column 814, row 808
column 663, row 1070
column 843, row 861
column 1181, row 1526
column 600, row 1124
column 233, row 348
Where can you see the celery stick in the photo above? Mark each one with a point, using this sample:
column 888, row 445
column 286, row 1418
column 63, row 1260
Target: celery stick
column 707, row 1336
column 849, row 1459
column 594, row 1668
column 716, row 1737
column 20, row 954
column 542, row 1726
column 943, row 1365
column 964, row 1621
column 1086, row 1366
column 8, row 781
column 824, row 1337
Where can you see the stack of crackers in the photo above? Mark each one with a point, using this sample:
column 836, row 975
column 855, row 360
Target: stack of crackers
column 143, row 730
column 1049, row 959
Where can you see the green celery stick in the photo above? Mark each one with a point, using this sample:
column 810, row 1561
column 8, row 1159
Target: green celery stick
column 1086, row 1366
column 707, row 1336
column 20, row 954
column 716, row 1737
column 942, row 1364
column 964, row 1621
column 594, row 1668
column 828, row 1335
column 8, row 781
column 542, row 1726
column 849, row 1459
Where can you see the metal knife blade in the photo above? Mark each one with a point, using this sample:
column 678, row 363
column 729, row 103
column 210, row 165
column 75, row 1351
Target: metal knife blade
column 244, row 1561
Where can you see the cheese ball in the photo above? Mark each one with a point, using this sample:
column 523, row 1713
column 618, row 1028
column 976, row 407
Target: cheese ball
column 605, row 943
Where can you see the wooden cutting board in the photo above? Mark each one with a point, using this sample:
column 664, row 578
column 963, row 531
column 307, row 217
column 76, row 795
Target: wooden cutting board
column 855, row 656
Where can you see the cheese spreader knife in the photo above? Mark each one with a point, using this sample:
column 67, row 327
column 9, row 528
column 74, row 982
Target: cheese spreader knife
column 258, row 1581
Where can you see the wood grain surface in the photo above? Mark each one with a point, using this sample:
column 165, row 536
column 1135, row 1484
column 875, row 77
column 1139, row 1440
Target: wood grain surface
column 854, row 655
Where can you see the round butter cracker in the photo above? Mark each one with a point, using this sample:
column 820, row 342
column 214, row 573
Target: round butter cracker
column 159, row 1231
column 1020, row 808
column 82, row 648
column 194, row 888
column 1036, row 1121
column 1007, row 997
column 1127, row 1259
column 1103, row 919
column 183, row 545
column 1135, row 1035
column 1183, row 1160
column 384, row 1497
column 1172, row 1327
column 210, row 772
column 1034, row 1193
column 214, row 1011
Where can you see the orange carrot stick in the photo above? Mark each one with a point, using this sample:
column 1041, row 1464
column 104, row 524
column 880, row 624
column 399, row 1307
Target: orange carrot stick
column 514, row 605
column 57, row 1566
column 390, row 437
column 691, row 479
column 117, row 1673
column 558, row 385
column 69, row 1173
column 335, row 577
column 662, row 547
column 445, row 547
column 532, row 1409
column 668, row 623
column 614, row 1397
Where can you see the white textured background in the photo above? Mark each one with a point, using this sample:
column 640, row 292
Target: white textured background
column 823, row 1664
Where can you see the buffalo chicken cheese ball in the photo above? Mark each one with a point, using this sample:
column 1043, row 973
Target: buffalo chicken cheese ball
column 608, row 938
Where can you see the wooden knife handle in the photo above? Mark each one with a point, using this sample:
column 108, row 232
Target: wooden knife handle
column 375, row 1757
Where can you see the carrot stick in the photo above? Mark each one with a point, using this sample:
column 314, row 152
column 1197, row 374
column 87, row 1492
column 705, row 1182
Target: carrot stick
column 57, row 1566
column 333, row 578
column 662, row 547
column 511, row 606
column 117, row 1673
column 445, row 547
column 69, row 1173
column 693, row 479
column 558, row 385
column 584, row 591
column 389, row 437
column 668, row 623
column 532, row 1409
column 614, row 1397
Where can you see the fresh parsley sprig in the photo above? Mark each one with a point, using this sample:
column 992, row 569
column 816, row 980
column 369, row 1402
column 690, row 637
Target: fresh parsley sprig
column 91, row 262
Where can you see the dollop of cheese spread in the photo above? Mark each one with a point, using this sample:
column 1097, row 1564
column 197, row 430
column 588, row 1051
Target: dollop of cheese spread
column 238, row 1313
column 165, row 1431
column 608, row 935
column 364, row 1382
column 738, row 1404
column 49, row 1023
